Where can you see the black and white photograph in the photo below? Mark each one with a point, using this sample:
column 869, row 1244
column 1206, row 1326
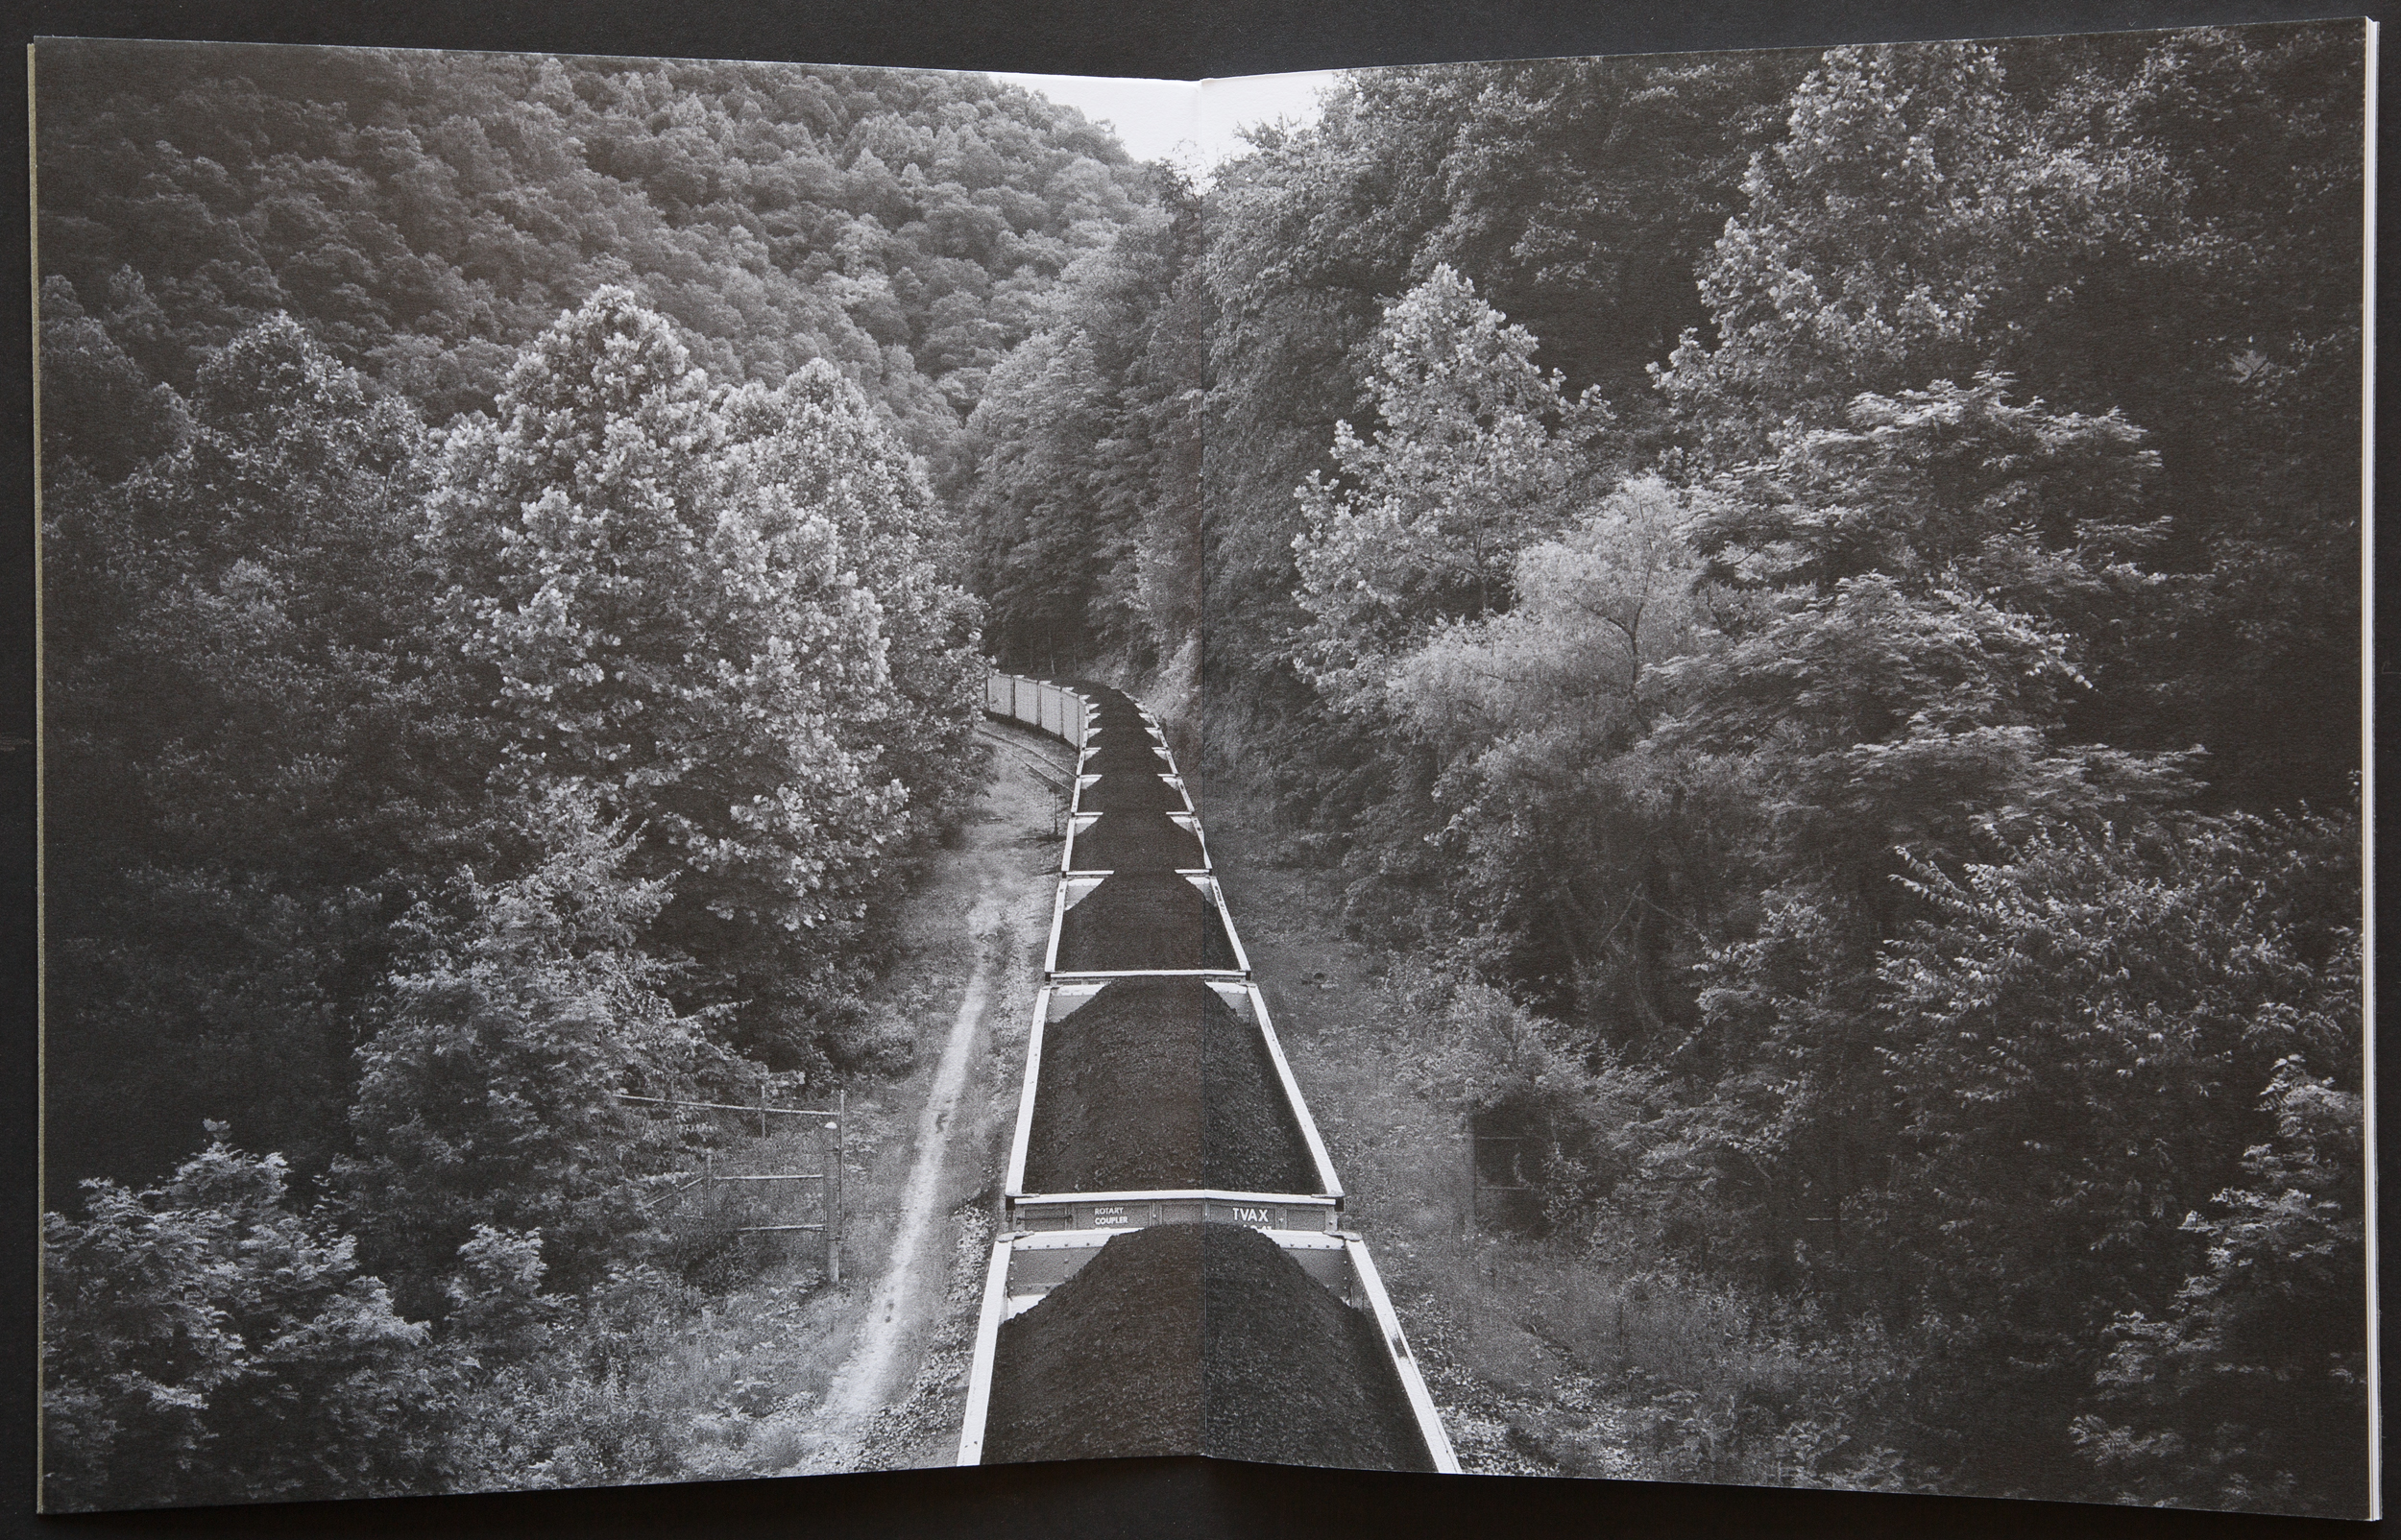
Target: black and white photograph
column 1645, row 767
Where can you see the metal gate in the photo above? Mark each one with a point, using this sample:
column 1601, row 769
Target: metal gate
column 714, row 1185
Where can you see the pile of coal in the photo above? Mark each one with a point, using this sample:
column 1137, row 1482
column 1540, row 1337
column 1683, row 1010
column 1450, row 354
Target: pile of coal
column 1293, row 1375
column 1191, row 1338
column 1131, row 792
column 1143, row 921
column 1157, row 1084
column 1136, row 842
column 1107, row 1364
column 1122, row 751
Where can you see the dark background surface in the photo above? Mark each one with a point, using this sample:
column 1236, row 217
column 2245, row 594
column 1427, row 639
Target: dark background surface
column 1177, row 38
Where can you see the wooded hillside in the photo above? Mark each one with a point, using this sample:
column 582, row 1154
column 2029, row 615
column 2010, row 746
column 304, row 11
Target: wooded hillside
column 497, row 658
column 1820, row 594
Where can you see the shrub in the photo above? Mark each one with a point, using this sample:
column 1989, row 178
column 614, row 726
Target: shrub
column 203, row 1342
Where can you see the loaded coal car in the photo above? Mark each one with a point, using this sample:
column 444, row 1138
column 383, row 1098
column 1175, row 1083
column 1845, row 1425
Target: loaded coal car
column 1141, row 788
column 1149, row 1100
column 1142, row 922
column 1131, row 791
column 1130, row 839
column 1121, row 750
column 1121, row 740
column 1213, row 1339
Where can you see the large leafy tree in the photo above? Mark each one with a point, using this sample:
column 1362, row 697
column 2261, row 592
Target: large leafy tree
column 2113, row 223
column 1584, row 879
column 659, row 621
column 1475, row 455
column 254, row 753
column 489, row 1096
column 1888, row 691
column 1044, row 557
column 817, row 441
column 1577, row 194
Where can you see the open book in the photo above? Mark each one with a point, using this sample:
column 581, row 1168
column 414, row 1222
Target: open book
column 1643, row 767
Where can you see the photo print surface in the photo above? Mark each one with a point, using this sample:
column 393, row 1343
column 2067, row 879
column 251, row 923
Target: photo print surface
column 1641, row 767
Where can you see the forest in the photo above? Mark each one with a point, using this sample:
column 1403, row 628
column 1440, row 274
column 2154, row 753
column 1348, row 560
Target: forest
column 1810, row 600
column 500, row 656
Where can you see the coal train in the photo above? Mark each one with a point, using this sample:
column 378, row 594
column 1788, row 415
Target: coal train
column 1172, row 1274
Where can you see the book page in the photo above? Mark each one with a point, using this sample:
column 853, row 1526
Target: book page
column 1643, row 767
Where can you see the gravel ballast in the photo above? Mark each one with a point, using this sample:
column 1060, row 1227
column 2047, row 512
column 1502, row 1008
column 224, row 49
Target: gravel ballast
column 1193, row 1339
column 1137, row 842
column 1143, row 921
column 1156, row 1084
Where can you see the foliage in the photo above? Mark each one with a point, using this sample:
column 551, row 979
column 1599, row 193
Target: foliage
column 487, row 1098
column 2094, row 1042
column 205, row 1342
column 2111, row 221
column 427, row 214
column 816, row 440
column 1875, row 804
column 1576, row 194
column 1558, row 842
column 1918, row 220
column 251, row 744
column 2254, row 1387
column 560, row 1394
column 100, row 410
column 1476, row 451
column 1975, row 511
column 1884, row 697
column 681, row 631
column 1087, row 446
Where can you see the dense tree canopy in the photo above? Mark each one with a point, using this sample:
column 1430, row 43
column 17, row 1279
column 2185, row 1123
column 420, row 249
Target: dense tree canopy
column 205, row 1342
column 504, row 651
column 426, row 214
column 422, row 792
column 1478, row 455
column 1836, row 774
column 1088, row 458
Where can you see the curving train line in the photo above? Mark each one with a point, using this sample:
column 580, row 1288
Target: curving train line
column 1147, row 998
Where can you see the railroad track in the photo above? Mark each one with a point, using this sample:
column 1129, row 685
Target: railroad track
column 1130, row 1201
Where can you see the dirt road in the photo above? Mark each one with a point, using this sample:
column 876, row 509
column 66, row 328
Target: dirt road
column 974, row 929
